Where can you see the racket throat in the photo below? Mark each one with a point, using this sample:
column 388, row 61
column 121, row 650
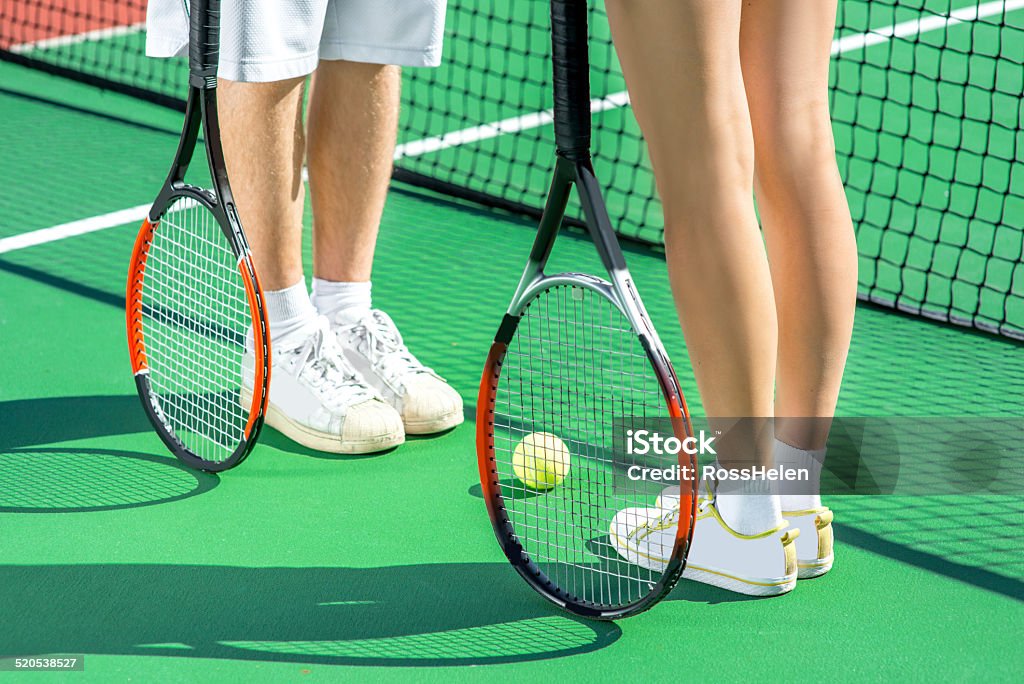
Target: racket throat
column 554, row 211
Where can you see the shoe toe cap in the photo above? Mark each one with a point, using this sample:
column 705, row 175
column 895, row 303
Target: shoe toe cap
column 431, row 403
column 371, row 420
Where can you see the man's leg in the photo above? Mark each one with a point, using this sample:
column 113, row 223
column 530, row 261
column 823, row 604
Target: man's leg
column 315, row 398
column 264, row 144
column 353, row 120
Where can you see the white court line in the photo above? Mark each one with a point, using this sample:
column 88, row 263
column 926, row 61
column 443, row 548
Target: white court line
column 923, row 25
column 80, row 227
column 524, row 122
column 487, row 131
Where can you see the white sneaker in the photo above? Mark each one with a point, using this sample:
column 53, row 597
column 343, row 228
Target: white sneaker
column 814, row 552
column 374, row 346
column 757, row 565
column 319, row 400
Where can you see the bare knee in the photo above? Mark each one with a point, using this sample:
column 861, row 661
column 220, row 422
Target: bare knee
column 705, row 175
column 794, row 148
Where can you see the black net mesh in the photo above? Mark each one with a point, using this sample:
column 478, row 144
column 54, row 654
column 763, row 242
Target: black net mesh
column 925, row 100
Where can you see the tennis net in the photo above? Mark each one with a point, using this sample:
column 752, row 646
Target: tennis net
column 925, row 96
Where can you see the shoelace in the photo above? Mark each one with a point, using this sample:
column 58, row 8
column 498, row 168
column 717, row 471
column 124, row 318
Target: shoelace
column 667, row 519
column 380, row 340
column 322, row 362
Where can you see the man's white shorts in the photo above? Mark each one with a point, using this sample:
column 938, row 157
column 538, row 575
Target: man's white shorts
column 271, row 40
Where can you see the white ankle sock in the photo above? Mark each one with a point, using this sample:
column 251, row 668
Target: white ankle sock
column 791, row 457
column 290, row 314
column 330, row 297
column 750, row 507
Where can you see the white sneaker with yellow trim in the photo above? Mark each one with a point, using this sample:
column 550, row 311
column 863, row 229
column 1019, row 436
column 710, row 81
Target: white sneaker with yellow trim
column 318, row 400
column 814, row 553
column 757, row 565
column 375, row 348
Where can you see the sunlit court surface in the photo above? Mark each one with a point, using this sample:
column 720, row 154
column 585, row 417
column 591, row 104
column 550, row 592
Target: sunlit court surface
column 305, row 564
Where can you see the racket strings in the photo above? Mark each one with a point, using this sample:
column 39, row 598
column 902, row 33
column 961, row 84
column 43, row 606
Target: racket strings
column 196, row 312
column 573, row 366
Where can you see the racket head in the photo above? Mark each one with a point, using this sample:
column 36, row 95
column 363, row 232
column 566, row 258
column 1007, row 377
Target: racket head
column 192, row 298
column 566, row 361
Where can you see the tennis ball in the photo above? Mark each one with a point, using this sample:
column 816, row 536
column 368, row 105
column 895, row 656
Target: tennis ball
column 541, row 461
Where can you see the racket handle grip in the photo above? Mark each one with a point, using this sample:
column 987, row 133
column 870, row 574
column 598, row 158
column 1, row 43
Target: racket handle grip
column 571, row 78
column 203, row 42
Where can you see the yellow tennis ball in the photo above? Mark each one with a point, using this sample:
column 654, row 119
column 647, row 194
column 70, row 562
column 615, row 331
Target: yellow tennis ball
column 541, row 461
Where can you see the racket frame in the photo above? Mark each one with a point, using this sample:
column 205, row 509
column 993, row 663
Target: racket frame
column 200, row 112
column 573, row 167
column 620, row 290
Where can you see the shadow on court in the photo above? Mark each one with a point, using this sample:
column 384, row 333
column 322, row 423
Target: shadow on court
column 31, row 422
column 51, row 480
column 949, row 564
column 48, row 479
column 421, row 615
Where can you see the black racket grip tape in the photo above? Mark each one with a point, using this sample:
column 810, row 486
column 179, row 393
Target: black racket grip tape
column 571, row 78
column 204, row 42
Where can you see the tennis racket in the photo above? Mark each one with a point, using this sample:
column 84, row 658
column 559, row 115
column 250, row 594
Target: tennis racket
column 193, row 293
column 573, row 352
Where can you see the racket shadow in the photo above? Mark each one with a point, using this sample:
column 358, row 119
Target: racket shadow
column 515, row 489
column 54, row 480
column 430, row 615
column 49, row 420
column 37, row 477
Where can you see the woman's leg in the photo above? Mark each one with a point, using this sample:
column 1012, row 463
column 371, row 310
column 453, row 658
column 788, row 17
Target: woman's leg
column 681, row 61
column 682, row 64
column 785, row 48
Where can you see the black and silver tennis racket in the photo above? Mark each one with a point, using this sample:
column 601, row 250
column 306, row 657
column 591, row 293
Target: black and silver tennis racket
column 574, row 353
column 193, row 292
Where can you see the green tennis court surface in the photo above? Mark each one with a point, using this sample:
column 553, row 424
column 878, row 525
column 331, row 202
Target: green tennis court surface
column 298, row 565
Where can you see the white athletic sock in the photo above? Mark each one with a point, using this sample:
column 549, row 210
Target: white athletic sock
column 791, row 457
column 330, row 297
column 750, row 507
column 290, row 314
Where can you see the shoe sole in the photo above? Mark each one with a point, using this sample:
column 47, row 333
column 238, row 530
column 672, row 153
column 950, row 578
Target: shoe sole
column 740, row 585
column 429, row 427
column 750, row 587
column 812, row 569
column 322, row 441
